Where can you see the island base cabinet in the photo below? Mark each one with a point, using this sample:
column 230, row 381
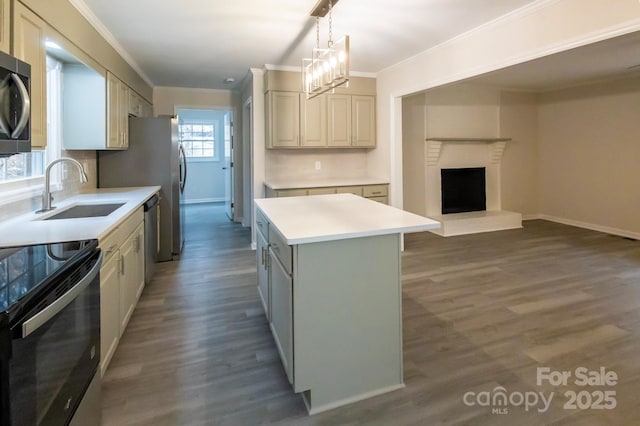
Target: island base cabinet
column 282, row 313
column 337, row 318
column 263, row 273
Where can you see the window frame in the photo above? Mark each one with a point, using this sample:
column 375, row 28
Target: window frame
column 216, row 154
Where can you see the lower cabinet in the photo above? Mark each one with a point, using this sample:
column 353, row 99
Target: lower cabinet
column 121, row 283
column 282, row 312
column 109, row 309
column 378, row 193
column 263, row 274
column 131, row 275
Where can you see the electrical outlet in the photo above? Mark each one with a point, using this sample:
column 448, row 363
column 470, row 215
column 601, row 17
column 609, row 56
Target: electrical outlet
column 318, row 165
column 65, row 171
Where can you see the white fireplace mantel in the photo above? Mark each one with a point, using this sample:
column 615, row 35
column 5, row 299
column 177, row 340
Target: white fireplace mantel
column 434, row 147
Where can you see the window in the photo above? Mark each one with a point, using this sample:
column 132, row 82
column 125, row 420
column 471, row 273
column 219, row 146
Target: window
column 198, row 140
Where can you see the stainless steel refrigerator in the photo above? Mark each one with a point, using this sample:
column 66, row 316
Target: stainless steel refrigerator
column 155, row 157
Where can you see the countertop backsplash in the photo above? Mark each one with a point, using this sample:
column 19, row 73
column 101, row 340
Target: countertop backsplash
column 70, row 186
column 291, row 164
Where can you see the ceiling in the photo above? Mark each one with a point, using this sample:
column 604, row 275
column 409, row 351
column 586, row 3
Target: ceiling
column 199, row 43
column 611, row 58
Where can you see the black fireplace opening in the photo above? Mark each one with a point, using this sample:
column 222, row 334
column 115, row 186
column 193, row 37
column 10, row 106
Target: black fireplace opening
column 463, row 190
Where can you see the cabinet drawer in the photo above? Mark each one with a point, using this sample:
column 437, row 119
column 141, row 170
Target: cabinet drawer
column 357, row 190
column 321, row 191
column 114, row 239
column 375, row 191
column 291, row 192
column 383, row 200
column 263, row 224
column 281, row 249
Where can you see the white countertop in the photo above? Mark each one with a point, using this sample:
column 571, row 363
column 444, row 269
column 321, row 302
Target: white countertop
column 29, row 228
column 318, row 218
column 317, row 183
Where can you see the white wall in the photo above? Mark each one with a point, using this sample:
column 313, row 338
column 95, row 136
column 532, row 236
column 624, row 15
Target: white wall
column 258, row 143
column 589, row 156
column 414, row 130
column 520, row 161
column 543, row 28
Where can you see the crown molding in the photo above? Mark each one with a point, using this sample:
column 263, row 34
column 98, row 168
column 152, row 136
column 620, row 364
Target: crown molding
column 99, row 26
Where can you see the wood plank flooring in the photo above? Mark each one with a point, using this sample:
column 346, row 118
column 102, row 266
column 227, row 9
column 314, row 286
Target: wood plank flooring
column 479, row 311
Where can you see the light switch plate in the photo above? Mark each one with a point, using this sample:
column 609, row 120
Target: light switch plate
column 318, row 165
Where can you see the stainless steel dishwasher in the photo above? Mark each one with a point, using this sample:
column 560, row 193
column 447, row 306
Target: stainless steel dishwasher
column 151, row 245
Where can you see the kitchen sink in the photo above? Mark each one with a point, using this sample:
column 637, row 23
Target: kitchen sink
column 86, row 210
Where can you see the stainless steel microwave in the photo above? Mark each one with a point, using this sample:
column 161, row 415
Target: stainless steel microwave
column 15, row 106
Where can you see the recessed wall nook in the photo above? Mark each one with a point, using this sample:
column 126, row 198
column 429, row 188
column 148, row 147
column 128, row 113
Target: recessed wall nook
column 457, row 159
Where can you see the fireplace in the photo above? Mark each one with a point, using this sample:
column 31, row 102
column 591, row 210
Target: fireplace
column 463, row 190
column 462, row 185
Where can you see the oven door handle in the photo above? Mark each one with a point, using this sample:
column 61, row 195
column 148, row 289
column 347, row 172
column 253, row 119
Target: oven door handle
column 53, row 309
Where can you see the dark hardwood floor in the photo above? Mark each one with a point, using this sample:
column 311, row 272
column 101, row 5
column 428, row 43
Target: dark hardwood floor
column 479, row 311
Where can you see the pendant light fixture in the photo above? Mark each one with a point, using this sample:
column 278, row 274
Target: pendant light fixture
column 328, row 67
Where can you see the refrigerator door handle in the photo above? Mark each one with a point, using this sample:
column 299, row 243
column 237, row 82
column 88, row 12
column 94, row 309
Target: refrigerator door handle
column 183, row 168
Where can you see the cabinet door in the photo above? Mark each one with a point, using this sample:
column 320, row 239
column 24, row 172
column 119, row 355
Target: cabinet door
column 139, row 270
column 4, row 25
column 363, row 121
column 123, row 104
column 357, row 190
column 263, row 273
column 128, row 281
column 282, row 312
column 114, row 138
column 313, row 116
column 28, row 46
column 135, row 104
column 284, row 119
column 339, row 111
column 109, row 310
column 321, row 191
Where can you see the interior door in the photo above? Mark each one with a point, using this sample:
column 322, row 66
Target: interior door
column 228, row 165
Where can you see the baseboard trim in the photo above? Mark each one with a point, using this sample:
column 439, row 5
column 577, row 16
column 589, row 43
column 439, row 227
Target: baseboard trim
column 531, row 216
column 350, row 400
column 203, row 200
column 591, row 226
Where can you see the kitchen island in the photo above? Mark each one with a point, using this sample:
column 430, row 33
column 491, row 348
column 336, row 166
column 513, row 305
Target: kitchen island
column 329, row 276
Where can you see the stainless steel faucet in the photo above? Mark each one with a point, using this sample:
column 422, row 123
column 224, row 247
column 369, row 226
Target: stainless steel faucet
column 47, row 198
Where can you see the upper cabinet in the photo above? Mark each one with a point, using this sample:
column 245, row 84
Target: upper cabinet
column 313, row 121
column 345, row 120
column 117, row 113
column 352, row 121
column 5, row 25
column 283, row 119
column 28, row 45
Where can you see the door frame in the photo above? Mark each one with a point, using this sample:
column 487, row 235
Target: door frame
column 219, row 108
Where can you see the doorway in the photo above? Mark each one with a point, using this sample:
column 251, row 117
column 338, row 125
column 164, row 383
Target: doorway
column 206, row 135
